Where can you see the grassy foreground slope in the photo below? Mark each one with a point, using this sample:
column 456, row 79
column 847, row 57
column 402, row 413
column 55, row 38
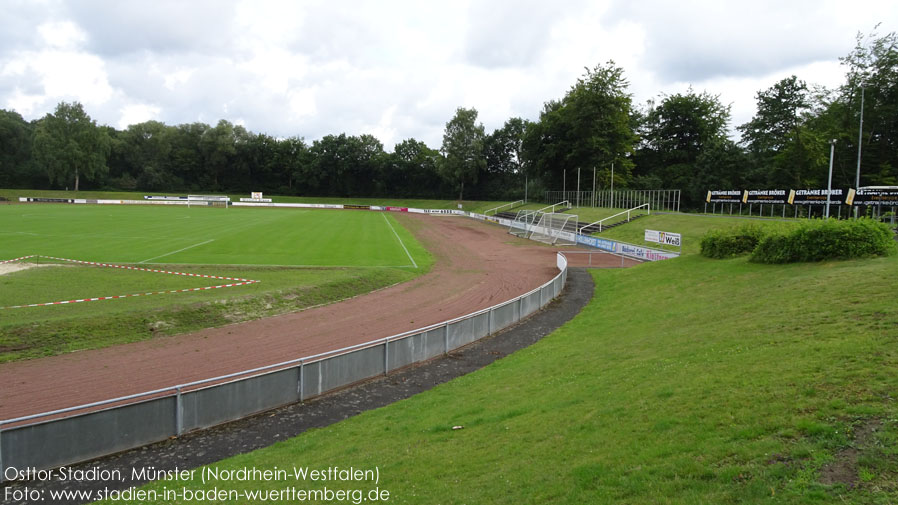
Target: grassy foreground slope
column 685, row 381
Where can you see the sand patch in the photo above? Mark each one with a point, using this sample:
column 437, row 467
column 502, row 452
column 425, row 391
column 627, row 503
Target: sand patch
column 8, row 268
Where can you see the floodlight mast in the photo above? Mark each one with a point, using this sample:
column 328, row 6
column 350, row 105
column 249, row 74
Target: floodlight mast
column 612, row 184
column 829, row 184
column 860, row 141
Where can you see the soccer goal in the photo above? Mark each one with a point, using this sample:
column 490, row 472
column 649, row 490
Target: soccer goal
column 523, row 222
column 556, row 228
column 208, row 200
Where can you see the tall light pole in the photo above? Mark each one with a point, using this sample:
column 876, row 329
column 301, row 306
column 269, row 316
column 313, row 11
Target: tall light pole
column 578, row 187
column 829, row 184
column 860, row 141
column 593, row 185
column 612, row 184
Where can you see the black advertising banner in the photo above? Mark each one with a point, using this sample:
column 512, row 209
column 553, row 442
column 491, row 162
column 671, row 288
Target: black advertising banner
column 771, row 196
column 877, row 196
column 357, row 207
column 724, row 196
column 50, row 200
column 818, row 197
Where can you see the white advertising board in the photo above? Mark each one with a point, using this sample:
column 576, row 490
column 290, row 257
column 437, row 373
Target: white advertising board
column 663, row 237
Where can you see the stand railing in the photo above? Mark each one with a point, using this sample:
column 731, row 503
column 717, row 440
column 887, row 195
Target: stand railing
column 627, row 212
column 509, row 205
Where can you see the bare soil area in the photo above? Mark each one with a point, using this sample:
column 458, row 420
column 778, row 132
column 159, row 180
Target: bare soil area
column 8, row 268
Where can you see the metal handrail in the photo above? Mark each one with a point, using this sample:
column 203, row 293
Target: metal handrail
column 563, row 202
column 177, row 389
column 510, row 205
column 627, row 212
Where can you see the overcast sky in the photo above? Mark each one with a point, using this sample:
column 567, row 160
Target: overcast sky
column 399, row 69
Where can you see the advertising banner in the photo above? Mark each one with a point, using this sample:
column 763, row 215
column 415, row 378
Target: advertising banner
column 162, row 197
column 644, row 252
column 598, row 243
column 663, row 237
column 762, row 196
column 291, row 205
column 818, row 197
column 724, row 196
column 356, row 207
column 445, row 211
column 397, row 209
column 47, row 200
column 887, row 196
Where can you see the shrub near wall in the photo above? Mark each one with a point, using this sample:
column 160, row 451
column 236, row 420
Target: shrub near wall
column 720, row 244
column 819, row 240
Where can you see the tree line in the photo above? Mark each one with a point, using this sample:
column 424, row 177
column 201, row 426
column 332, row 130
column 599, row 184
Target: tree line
column 677, row 141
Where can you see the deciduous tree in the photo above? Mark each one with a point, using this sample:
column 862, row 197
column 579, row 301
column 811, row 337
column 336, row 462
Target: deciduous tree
column 69, row 145
column 590, row 127
column 462, row 149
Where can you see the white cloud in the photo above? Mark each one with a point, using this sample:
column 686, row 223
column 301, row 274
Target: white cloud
column 136, row 113
column 59, row 75
column 62, row 35
column 399, row 69
column 177, row 78
column 302, row 102
column 25, row 104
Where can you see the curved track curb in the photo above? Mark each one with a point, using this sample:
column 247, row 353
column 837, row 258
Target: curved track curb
column 211, row 445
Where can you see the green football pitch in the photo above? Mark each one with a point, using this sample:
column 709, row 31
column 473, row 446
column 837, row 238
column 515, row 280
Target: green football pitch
column 206, row 236
column 300, row 257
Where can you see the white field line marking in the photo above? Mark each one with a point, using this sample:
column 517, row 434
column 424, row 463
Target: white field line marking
column 400, row 240
column 18, row 233
column 173, row 252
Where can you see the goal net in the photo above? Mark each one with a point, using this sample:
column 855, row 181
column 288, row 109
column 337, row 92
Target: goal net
column 523, row 222
column 556, row 228
column 208, row 200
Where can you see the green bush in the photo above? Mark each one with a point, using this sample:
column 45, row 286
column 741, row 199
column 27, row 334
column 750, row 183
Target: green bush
column 731, row 242
column 818, row 240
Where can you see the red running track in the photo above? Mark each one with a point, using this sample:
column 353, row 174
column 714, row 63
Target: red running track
column 477, row 265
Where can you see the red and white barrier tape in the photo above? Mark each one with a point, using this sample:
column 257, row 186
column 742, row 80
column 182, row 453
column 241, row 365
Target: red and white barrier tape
column 241, row 282
column 18, row 259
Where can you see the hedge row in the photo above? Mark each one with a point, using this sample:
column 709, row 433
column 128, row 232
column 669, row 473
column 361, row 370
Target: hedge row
column 812, row 240
column 731, row 242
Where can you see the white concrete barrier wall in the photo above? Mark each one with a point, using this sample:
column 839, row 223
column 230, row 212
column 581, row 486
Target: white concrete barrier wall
column 76, row 437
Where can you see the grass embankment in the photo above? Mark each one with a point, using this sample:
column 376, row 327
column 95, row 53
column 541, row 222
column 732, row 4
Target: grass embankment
column 691, row 226
column 469, row 205
column 684, row 381
column 350, row 252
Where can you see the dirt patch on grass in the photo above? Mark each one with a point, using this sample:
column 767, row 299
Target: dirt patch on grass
column 8, row 268
column 844, row 469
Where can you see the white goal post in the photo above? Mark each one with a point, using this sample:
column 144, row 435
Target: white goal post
column 556, row 229
column 208, row 200
column 523, row 222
